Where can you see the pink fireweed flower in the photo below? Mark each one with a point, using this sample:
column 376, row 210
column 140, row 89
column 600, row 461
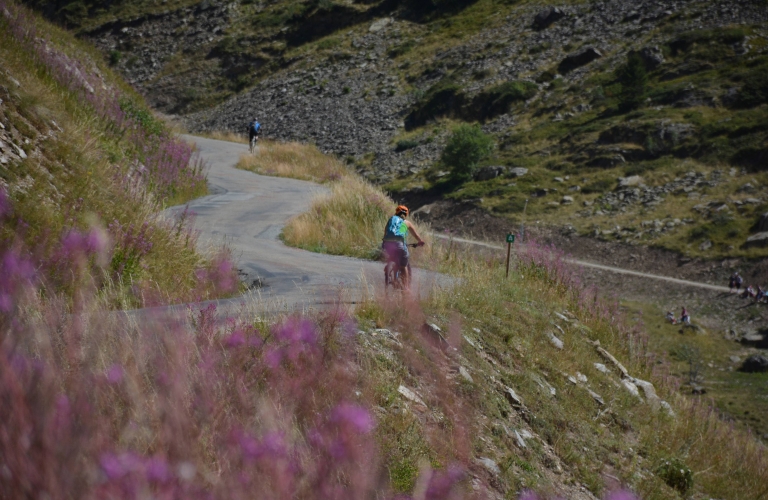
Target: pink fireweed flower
column 116, row 466
column 441, row 483
column 272, row 446
column 157, row 470
column 115, row 374
column 356, row 417
column 235, row 339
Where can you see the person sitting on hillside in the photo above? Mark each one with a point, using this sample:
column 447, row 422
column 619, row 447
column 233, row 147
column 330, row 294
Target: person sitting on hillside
column 685, row 318
column 739, row 281
column 671, row 317
column 760, row 295
column 750, row 292
column 394, row 241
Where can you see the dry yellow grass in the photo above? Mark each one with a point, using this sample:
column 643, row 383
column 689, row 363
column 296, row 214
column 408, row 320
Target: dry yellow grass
column 348, row 221
column 226, row 135
column 295, row 160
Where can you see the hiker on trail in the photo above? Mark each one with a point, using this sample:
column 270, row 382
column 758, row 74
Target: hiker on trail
column 738, row 281
column 685, row 318
column 760, row 295
column 671, row 317
column 732, row 282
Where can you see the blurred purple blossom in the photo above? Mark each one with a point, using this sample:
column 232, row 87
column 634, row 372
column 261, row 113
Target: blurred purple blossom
column 356, row 416
column 115, row 374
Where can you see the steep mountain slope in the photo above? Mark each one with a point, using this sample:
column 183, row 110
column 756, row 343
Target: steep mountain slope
column 84, row 170
column 381, row 82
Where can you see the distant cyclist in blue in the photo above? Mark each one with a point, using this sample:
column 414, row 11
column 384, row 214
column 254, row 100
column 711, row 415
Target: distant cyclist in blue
column 395, row 235
column 254, row 130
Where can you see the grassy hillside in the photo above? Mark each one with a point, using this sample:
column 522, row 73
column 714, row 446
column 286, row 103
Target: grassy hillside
column 527, row 387
column 85, row 170
column 558, row 97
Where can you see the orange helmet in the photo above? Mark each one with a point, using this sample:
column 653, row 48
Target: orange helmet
column 401, row 209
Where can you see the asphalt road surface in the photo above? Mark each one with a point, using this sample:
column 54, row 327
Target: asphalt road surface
column 247, row 212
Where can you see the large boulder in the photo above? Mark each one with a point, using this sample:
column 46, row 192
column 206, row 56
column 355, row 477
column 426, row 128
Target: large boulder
column 762, row 223
column 489, row 172
column 652, row 57
column 632, row 180
column 546, row 17
column 759, row 240
column 756, row 363
column 579, row 59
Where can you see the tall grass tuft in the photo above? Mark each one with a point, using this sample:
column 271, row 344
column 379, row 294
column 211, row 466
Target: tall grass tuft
column 348, row 221
column 208, row 407
column 106, row 164
column 295, row 160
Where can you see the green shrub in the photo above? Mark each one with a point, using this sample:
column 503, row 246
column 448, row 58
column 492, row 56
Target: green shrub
column 754, row 90
column 114, row 57
column 497, row 99
column 445, row 98
column 405, row 144
column 598, row 186
column 676, row 474
column 634, row 82
column 466, row 147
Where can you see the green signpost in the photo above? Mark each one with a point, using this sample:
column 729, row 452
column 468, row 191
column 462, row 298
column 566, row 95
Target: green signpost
column 510, row 240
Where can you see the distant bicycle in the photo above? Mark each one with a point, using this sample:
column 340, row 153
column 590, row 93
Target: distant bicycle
column 394, row 275
column 254, row 131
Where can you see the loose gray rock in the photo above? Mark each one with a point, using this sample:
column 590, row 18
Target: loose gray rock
column 547, row 17
column 490, row 465
column 632, row 180
column 579, row 59
column 512, row 397
column 602, row 368
column 567, row 200
column 518, row 171
column 631, row 387
column 464, row 373
column 380, row 24
column 410, row 395
column 762, row 223
column 489, row 172
column 597, row 397
column 759, row 240
column 652, row 57
column 555, row 341
column 756, row 363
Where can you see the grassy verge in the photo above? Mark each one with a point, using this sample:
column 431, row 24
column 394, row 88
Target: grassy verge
column 97, row 167
column 347, row 221
column 294, row 160
column 502, row 331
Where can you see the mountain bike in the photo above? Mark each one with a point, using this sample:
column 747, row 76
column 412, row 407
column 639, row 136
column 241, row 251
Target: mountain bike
column 252, row 143
column 394, row 275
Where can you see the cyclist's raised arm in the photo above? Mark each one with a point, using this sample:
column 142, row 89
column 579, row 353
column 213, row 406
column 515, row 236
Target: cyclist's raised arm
column 415, row 233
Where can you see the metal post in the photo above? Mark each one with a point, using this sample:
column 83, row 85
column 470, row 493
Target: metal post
column 509, row 248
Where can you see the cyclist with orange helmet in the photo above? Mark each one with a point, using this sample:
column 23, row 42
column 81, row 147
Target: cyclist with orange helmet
column 395, row 235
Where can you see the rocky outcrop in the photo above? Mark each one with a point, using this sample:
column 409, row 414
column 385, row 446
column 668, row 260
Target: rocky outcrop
column 579, row 59
column 756, row 363
column 547, row 17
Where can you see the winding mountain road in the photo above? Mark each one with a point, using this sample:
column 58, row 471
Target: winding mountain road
column 248, row 211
